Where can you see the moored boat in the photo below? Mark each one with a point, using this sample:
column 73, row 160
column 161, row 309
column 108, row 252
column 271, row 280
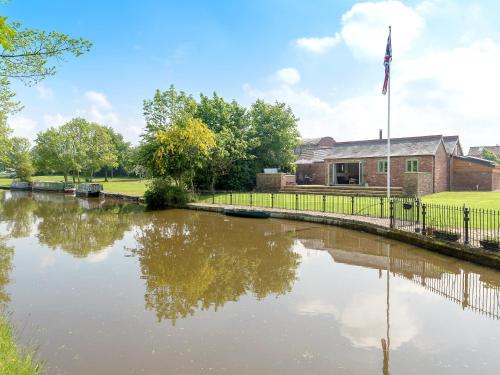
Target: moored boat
column 247, row 213
column 88, row 189
column 21, row 185
column 59, row 187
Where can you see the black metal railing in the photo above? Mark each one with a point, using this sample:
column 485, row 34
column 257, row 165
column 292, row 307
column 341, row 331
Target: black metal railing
column 469, row 226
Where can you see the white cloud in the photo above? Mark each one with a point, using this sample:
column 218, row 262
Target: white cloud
column 44, row 92
column 318, row 45
column 365, row 27
column 23, row 126
column 54, row 120
column 99, row 109
column 288, row 76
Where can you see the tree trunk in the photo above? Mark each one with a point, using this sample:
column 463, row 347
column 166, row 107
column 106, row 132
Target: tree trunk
column 65, row 176
column 112, row 170
column 106, row 174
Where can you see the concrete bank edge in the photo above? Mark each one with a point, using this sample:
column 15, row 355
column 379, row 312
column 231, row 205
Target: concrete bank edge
column 473, row 255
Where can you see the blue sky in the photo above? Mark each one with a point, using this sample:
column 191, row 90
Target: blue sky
column 324, row 58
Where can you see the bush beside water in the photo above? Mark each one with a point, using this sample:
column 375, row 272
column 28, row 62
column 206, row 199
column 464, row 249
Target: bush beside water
column 161, row 194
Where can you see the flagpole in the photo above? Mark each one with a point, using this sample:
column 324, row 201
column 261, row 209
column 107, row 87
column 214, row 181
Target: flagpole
column 389, row 131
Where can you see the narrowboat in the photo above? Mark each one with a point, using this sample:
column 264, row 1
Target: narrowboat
column 21, row 185
column 247, row 213
column 59, row 187
column 88, row 189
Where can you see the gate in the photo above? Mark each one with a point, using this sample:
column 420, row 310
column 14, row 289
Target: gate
column 406, row 214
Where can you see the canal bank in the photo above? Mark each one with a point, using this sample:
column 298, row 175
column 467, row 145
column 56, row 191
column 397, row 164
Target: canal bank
column 370, row 225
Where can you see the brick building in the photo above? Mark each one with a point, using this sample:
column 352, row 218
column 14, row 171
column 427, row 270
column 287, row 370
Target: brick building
column 420, row 165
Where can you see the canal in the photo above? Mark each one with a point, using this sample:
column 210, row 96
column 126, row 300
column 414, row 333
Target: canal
column 103, row 287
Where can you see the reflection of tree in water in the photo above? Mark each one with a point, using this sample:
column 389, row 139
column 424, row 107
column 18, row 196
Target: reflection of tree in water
column 65, row 224
column 17, row 213
column 6, row 255
column 197, row 261
column 81, row 232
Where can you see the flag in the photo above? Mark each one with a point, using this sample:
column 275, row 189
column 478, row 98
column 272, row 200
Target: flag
column 387, row 62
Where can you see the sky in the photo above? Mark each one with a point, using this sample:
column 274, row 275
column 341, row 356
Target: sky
column 324, row 58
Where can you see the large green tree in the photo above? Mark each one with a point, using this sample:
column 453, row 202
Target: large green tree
column 100, row 151
column 228, row 122
column 51, row 153
column 274, row 128
column 20, row 158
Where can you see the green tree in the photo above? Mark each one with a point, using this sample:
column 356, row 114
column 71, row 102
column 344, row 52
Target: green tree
column 20, row 158
column 4, row 140
column 74, row 134
column 274, row 128
column 100, row 151
column 51, row 154
column 123, row 152
column 489, row 155
column 181, row 149
column 227, row 121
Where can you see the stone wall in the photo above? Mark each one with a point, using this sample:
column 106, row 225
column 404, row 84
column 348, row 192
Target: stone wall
column 417, row 184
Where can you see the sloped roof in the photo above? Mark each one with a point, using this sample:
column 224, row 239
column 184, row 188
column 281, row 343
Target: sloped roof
column 476, row 160
column 450, row 142
column 311, row 155
column 308, row 142
column 478, row 150
column 408, row 146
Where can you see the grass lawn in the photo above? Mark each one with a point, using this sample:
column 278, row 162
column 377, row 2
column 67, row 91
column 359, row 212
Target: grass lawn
column 475, row 199
column 13, row 361
column 130, row 186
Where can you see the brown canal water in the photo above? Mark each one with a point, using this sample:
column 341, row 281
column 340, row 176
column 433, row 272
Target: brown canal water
column 107, row 288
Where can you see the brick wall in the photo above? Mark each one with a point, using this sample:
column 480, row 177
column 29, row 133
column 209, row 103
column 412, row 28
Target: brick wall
column 270, row 181
column 398, row 168
column 441, row 170
column 496, row 179
column 418, row 184
column 312, row 174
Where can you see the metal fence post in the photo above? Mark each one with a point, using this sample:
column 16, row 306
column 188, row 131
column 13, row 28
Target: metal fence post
column 381, row 207
column 324, row 202
column 391, row 213
column 424, row 214
column 272, row 200
column 466, row 225
column 417, row 207
column 230, row 199
column 213, row 197
column 352, row 204
column 251, row 199
column 296, row 201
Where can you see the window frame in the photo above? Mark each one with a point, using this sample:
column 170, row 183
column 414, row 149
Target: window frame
column 411, row 162
column 384, row 169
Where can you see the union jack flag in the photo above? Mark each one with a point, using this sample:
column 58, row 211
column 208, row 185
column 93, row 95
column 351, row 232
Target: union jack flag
column 387, row 62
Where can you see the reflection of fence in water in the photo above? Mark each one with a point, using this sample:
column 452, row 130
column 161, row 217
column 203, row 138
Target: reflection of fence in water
column 464, row 288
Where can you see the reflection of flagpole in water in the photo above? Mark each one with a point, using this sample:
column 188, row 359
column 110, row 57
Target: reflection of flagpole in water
column 386, row 343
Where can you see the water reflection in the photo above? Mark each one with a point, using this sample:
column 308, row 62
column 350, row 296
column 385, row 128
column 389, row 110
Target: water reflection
column 6, row 255
column 78, row 227
column 199, row 261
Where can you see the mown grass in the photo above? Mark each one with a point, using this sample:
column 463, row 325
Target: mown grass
column 483, row 199
column 13, row 359
column 130, row 186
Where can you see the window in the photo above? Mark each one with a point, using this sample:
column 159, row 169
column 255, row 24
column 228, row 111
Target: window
column 412, row 165
column 382, row 166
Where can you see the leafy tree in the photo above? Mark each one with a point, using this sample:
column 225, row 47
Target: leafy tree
column 227, row 121
column 20, row 158
column 51, row 154
column 489, row 155
column 123, row 152
column 182, row 148
column 100, row 151
column 74, row 134
column 164, row 109
column 4, row 140
column 274, row 127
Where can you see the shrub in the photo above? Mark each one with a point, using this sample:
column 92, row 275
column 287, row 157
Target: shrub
column 161, row 194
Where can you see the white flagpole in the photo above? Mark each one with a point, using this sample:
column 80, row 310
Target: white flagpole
column 389, row 130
